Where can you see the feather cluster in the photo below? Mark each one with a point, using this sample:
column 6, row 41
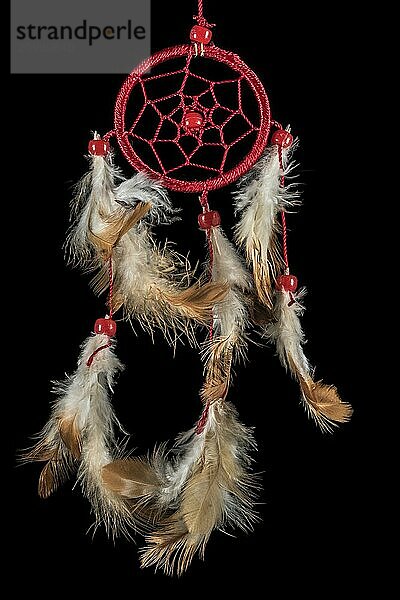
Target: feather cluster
column 176, row 499
column 212, row 488
column 115, row 215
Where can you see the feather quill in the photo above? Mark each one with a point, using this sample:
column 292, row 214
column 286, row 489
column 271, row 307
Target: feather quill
column 259, row 200
column 321, row 401
column 218, row 492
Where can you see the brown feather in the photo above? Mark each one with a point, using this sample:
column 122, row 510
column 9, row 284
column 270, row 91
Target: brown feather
column 41, row 452
column 218, row 371
column 324, row 403
column 131, row 477
column 70, row 435
column 197, row 301
column 54, row 473
column 193, row 303
column 47, row 480
column 265, row 273
column 118, row 224
column 259, row 313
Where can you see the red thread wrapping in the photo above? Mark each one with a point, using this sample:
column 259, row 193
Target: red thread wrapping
column 99, row 349
column 201, row 423
column 219, row 174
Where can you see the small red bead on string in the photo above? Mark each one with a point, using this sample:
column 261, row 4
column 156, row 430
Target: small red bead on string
column 200, row 34
column 287, row 283
column 98, row 147
column 282, row 138
column 106, row 326
column 208, row 219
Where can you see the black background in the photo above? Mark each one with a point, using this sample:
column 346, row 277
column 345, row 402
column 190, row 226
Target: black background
column 316, row 493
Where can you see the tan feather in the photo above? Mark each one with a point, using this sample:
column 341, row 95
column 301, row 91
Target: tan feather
column 259, row 314
column 54, row 472
column 197, row 301
column 218, row 371
column 117, row 224
column 70, row 435
column 265, row 271
column 324, row 403
column 47, row 480
column 168, row 303
column 131, row 478
column 59, row 460
column 219, row 492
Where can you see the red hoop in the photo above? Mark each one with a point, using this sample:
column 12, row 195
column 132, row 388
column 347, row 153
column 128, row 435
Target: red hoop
column 223, row 178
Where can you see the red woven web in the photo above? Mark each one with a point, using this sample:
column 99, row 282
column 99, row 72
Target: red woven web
column 216, row 118
column 155, row 138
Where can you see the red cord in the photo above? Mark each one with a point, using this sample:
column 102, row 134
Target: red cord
column 200, row 8
column 201, row 423
column 283, row 216
column 111, row 286
column 110, row 306
column 204, row 203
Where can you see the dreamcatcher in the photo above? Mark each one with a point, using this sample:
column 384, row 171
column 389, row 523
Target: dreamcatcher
column 191, row 118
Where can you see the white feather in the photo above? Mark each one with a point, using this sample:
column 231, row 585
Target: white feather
column 322, row 402
column 99, row 446
column 258, row 201
column 188, row 448
column 100, row 193
column 287, row 333
column 140, row 188
column 230, row 316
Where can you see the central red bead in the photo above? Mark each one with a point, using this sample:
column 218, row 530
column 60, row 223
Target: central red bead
column 193, row 120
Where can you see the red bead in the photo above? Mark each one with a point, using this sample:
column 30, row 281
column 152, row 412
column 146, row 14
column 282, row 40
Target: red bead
column 288, row 283
column 193, row 120
column 282, row 138
column 105, row 326
column 200, row 34
column 98, row 148
column 209, row 219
